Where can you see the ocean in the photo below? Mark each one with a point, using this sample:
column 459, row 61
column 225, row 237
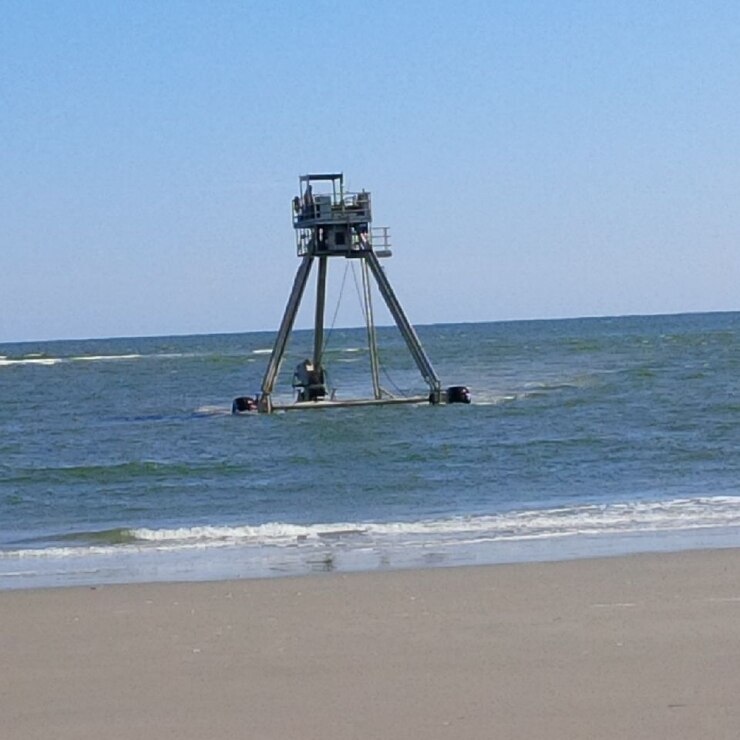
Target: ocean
column 121, row 462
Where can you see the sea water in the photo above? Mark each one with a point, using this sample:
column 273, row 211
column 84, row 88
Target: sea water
column 120, row 460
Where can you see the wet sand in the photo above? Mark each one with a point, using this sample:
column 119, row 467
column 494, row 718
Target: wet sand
column 644, row 646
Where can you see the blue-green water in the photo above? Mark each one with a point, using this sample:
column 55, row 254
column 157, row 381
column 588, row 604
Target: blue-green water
column 120, row 461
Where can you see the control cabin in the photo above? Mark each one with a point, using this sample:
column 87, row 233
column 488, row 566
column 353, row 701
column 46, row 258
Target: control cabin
column 330, row 221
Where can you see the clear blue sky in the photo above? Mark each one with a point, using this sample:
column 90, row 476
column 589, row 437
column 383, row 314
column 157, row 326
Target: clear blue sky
column 533, row 159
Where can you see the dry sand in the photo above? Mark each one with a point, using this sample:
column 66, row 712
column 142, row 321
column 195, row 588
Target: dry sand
column 645, row 646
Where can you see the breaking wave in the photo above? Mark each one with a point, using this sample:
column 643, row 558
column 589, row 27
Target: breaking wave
column 592, row 520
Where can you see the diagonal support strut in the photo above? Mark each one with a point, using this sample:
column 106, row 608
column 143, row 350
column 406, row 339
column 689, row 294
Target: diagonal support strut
column 404, row 326
column 286, row 326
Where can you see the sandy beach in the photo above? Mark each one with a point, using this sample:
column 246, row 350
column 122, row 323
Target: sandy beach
column 644, row 646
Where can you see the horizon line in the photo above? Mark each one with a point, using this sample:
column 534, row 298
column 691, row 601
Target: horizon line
column 583, row 317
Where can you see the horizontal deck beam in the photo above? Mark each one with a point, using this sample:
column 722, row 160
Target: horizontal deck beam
column 349, row 403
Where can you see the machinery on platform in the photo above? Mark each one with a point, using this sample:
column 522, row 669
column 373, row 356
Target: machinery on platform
column 330, row 223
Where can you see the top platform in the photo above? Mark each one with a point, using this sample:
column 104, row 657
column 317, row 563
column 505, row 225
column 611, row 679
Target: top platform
column 331, row 221
column 329, row 206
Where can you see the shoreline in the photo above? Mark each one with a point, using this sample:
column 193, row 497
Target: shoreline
column 640, row 646
column 134, row 565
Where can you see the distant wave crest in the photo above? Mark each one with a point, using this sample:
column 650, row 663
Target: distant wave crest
column 6, row 362
column 38, row 359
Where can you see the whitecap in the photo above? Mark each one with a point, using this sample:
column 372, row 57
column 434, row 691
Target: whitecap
column 95, row 358
column 33, row 361
column 213, row 411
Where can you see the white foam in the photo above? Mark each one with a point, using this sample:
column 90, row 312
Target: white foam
column 265, row 351
column 31, row 361
column 213, row 410
column 677, row 514
column 38, row 359
column 132, row 356
column 537, row 524
column 270, row 533
column 95, row 358
column 58, row 552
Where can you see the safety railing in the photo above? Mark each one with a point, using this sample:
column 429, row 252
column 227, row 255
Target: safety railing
column 310, row 208
column 380, row 238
